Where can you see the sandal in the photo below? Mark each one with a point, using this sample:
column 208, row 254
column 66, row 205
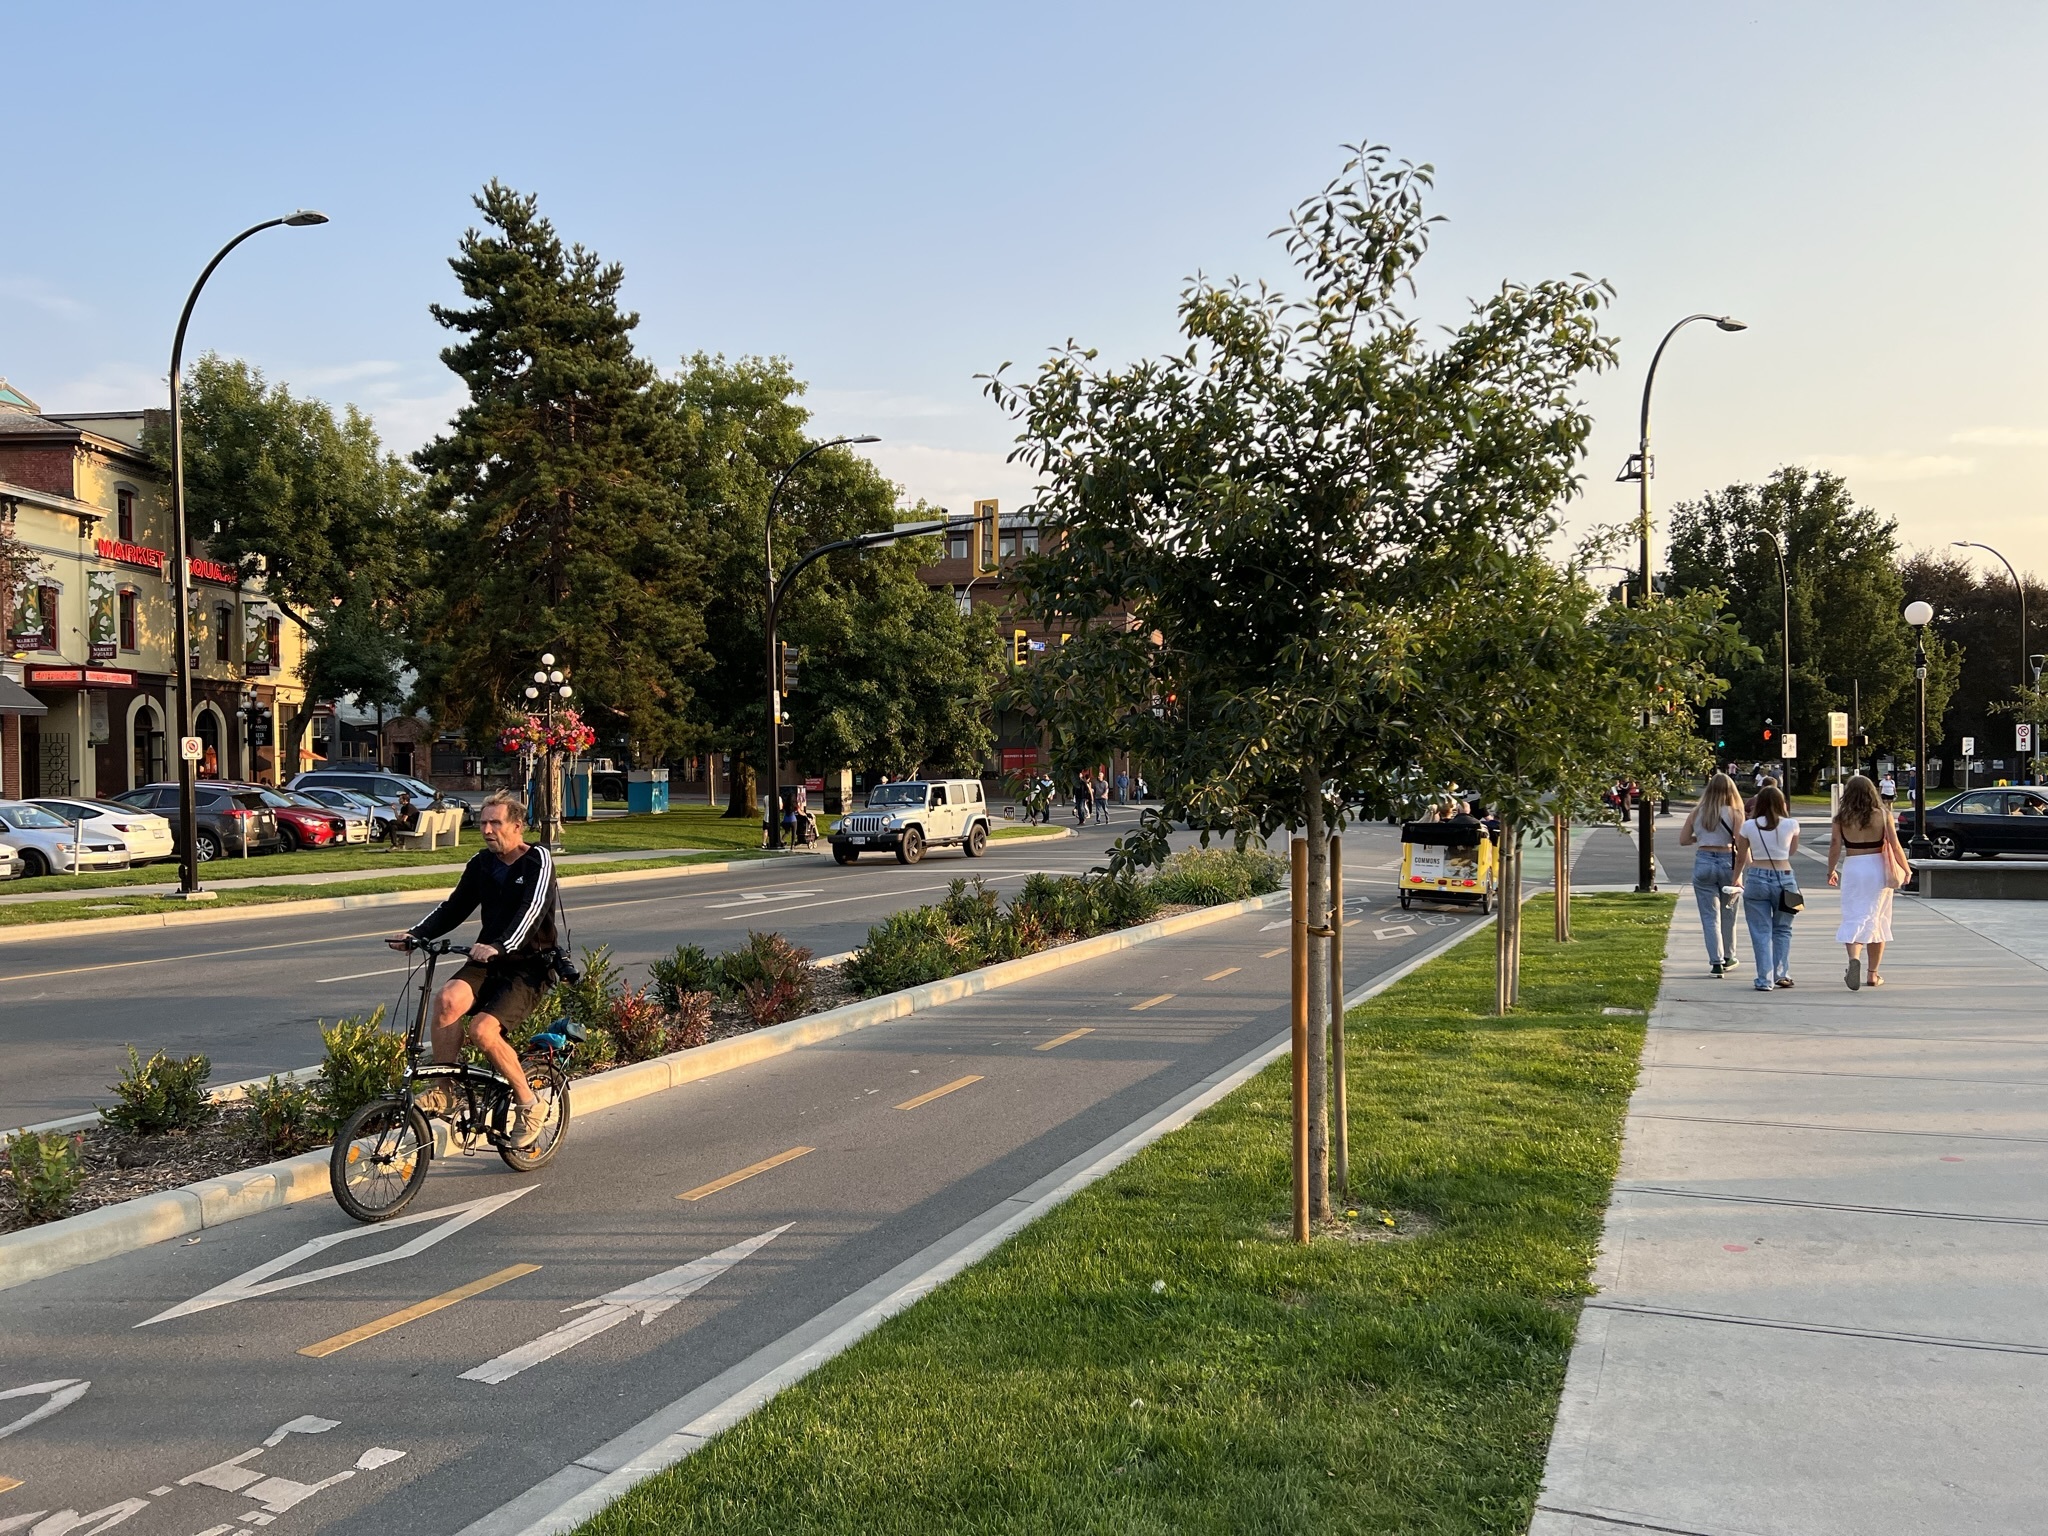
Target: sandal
column 1874, row 981
column 1854, row 974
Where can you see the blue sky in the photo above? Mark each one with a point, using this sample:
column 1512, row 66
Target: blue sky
column 900, row 197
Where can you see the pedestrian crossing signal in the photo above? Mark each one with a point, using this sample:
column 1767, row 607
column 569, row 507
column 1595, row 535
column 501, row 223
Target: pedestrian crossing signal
column 1020, row 643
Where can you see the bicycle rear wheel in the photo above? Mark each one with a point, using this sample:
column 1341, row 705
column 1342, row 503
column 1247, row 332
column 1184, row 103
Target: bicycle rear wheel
column 380, row 1159
column 551, row 1088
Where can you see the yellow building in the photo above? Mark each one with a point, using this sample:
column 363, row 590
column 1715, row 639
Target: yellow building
column 91, row 635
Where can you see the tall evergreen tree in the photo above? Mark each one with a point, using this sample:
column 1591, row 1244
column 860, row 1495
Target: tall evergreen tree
column 561, row 525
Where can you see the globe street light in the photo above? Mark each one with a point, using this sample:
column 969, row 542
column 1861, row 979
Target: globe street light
column 1640, row 469
column 1918, row 614
column 774, row 795
column 188, row 813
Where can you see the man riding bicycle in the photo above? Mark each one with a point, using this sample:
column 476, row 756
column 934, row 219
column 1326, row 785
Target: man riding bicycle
column 510, row 965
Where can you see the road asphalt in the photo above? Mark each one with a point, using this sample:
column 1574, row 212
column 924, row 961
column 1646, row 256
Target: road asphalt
column 1820, row 1308
column 244, row 1373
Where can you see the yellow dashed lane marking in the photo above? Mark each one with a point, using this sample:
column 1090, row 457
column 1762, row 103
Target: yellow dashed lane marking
column 7, row 1484
column 1152, row 1002
column 745, row 1173
column 1269, row 954
column 1228, row 970
column 1072, row 1034
column 416, row 1311
column 939, row 1093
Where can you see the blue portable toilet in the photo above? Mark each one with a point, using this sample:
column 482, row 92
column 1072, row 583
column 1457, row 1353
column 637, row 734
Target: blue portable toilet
column 646, row 791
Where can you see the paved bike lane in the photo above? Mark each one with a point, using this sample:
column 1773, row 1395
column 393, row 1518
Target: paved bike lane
column 296, row 1372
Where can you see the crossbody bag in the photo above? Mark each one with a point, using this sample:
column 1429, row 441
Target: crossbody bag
column 1790, row 897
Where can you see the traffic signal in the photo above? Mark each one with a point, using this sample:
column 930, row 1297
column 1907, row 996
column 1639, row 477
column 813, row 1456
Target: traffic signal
column 791, row 656
column 985, row 537
column 1020, row 644
column 1768, row 722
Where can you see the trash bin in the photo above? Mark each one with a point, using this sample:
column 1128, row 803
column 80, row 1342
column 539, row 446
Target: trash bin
column 647, row 791
column 576, row 794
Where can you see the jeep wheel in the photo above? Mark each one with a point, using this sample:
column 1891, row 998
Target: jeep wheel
column 910, row 847
column 977, row 840
column 843, row 855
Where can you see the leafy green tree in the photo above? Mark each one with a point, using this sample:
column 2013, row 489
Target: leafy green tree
column 892, row 677
column 1847, row 602
column 1252, row 538
column 559, row 524
column 1978, row 612
column 304, row 501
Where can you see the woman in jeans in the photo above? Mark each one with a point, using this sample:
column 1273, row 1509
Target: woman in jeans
column 1764, row 858
column 1712, row 829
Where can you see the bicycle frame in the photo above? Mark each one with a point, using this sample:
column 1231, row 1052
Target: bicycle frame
column 484, row 1096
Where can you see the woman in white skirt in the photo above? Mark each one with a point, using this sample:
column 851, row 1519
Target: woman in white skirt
column 1866, row 861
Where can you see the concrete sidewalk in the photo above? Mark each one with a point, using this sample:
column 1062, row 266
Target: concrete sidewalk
column 1821, row 1301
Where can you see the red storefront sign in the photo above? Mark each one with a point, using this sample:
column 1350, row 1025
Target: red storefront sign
column 213, row 570
column 78, row 677
column 140, row 555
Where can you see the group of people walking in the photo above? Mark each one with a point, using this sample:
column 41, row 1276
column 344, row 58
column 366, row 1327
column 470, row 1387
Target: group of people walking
column 1743, row 859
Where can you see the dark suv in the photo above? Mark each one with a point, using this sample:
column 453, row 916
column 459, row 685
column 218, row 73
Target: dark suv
column 232, row 819
column 382, row 786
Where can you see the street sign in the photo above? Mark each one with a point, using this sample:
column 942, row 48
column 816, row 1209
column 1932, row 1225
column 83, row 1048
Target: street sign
column 1788, row 746
column 2025, row 733
column 1969, row 746
column 1838, row 727
column 191, row 749
column 1713, row 717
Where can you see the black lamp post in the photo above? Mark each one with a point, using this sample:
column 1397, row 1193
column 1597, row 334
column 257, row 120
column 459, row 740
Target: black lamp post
column 774, row 767
column 1785, row 644
column 1918, row 615
column 2037, row 662
column 550, row 684
column 1639, row 469
column 188, row 813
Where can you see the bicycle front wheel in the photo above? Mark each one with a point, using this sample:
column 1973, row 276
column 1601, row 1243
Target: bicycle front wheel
column 380, row 1159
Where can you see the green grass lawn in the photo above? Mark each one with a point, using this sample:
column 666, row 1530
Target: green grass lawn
column 1154, row 1356
column 119, row 905
column 1021, row 831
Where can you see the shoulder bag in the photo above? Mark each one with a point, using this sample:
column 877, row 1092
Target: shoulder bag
column 1790, row 897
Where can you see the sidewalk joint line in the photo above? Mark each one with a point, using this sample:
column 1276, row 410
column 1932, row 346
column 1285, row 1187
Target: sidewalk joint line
column 702, row 1190
column 1854, row 1130
column 1625, row 1522
column 416, row 1311
column 1838, row 1330
column 940, row 1092
column 1830, row 1205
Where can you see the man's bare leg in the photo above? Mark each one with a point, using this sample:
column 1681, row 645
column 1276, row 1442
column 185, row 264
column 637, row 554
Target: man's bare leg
column 489, row 1036
column 454, row 1000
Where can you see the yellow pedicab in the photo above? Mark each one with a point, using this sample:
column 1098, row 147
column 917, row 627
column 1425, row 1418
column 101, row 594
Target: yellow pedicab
column 1447, row 861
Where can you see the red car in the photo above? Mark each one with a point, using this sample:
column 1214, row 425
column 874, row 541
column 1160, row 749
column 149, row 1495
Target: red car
column 301, row 823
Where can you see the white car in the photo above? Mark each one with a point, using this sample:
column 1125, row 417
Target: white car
column 908, row 817
column 146, row 834
column 10, row 863
column 50, row 845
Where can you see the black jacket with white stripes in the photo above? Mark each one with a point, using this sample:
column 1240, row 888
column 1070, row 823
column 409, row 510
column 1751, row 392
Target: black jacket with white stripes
column 518, row 901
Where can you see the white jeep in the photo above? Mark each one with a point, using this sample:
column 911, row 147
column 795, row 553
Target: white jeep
column 907, row 818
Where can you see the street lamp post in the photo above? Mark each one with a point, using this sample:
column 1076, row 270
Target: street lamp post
column 2019, row 587
column 1918, row 614
column 550, row 683
column 774, row 765
column 1640, row 470
column 1785, row 644
column 2034, row 714
column 188, row 814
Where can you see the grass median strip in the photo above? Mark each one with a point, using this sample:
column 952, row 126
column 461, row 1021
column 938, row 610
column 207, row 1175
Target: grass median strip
column 743, row 1174
column 416, row 1311
column 1155, row 1355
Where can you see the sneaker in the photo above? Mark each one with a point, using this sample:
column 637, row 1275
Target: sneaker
column 1762, row 986
column 1854, row 974
column 527, row 1121
column 1720, row 969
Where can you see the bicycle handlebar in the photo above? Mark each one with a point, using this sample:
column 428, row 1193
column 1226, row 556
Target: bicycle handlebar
column 435, row 946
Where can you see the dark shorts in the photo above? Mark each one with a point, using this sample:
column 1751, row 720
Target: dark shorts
column 508, row 993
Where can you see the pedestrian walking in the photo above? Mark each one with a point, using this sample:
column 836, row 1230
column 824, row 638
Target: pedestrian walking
column 1770, row 892
column 1101, row 789
column 1711, row 831
column 1888, row 787
column 1866, row 861
column 1123, row 787
column 1084, row 799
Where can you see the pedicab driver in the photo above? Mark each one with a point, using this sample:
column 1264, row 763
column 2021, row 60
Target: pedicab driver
column 513, row 882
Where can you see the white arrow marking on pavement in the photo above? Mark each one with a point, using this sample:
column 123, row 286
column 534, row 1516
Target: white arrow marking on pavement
column 647, row 1298
column 755, row 898
column 1281, row 923
column 61, row 1394
column 257, row 1281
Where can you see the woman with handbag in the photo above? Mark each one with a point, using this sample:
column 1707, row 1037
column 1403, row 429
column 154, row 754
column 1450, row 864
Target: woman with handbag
column 1866, row 861
column 1770, row 892
column 1711, row 831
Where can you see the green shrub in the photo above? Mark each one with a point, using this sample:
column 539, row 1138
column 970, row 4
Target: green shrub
column 639, row 1024
column 363, row 1061
column 906, row 949
column 283, row 1117
column 689, row 1023
column 1209, row 877
column 1118, row 901
column 161, row 1095
column 45, row 1169
column 688, row 970
column 767, row 962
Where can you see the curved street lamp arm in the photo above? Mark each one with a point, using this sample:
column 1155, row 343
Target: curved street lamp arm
column 861, row 541
column 2017, row 586
column 1657, row 357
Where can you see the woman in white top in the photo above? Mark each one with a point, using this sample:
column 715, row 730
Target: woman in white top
column 1712, row 829
column 1764, row 857
column 1862, row 859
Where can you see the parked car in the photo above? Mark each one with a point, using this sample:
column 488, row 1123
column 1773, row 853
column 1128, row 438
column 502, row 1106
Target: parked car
column 233, row 819
column 1986, row 822
column 383, row 787
column 146, row 834
column 50, row 845
column 10, row 863
column 300, row 827
column 376, row 817
column 355, row 819
column 907, row 818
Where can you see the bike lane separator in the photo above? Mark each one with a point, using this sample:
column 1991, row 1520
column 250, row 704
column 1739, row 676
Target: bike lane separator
column 571, row 1495
column 941, row 1091
column 1228, row 970
column 1153, row 1002
column 416, row 1311
column 743, row 1174
column 1059, row 1040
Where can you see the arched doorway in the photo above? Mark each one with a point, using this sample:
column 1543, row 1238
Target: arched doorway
column 148, row 761
column 211, row 731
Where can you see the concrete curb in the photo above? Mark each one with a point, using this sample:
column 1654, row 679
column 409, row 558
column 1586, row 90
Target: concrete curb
column 564, row 1500
column 64, row 928
column 38, row 1252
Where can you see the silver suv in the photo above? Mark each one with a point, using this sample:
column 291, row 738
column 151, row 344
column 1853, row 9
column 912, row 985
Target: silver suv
column 907, row 818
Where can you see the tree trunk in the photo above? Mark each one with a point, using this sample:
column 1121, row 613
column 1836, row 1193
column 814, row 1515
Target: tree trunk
column 1297, row 1026
column 1318, row 1000
column 740, row 798
column 1511, row 910
column 1561, row 883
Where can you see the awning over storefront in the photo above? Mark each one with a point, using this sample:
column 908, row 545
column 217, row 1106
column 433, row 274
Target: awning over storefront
column 17, row 700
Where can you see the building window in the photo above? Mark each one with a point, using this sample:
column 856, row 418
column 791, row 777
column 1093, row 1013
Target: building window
column 956, row 549
column 224, row 630
column 271, row 637
column 1007, row 544
column 127, row 599
column 46, row 605
column 1027, row 541
column 124, row 514
column 962, row 599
